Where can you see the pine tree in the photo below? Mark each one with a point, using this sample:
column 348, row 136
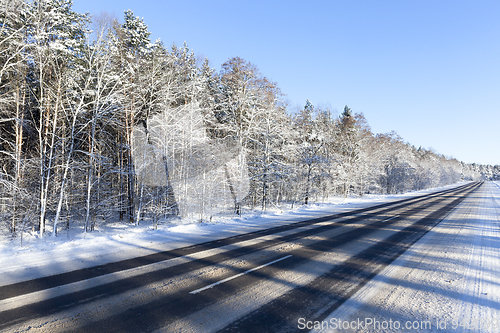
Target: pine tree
column 13, row 93
column 348, row 149
column 134, row 46
column 310, row 142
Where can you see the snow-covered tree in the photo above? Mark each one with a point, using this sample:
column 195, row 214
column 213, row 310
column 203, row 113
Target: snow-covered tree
column 56, row 35
column 13, row 94
column 94, row 124
column 348, row 150
column 244, row 98
column 134, row 47
column 310, row 143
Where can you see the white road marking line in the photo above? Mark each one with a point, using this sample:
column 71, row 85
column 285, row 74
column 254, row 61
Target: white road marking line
column 391, row 218
column 237, row 275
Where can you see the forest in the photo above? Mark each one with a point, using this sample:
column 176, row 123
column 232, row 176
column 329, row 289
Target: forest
column 98, row 122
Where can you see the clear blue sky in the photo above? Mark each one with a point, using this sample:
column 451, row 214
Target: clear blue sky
column 430, row 70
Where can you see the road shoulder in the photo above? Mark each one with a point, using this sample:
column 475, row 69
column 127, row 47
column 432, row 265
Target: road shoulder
column 449, row 280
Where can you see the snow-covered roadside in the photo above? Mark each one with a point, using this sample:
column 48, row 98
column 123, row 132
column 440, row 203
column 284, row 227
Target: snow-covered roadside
column 115, row 241
column 449, row 281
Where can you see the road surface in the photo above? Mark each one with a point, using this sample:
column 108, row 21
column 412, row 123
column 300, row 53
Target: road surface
column 283, row 279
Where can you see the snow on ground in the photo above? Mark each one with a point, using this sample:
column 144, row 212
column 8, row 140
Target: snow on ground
column 449, row 281
column 110, row 242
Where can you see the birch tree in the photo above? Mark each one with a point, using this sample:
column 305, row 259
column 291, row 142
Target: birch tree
column 13, row 92
column 244, row 99
column 55, row 38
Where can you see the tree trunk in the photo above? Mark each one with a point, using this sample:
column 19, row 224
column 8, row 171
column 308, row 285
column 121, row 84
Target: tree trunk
column 172, row 207
column 90, row 172
column 18, row 149
column 237, row 209
column 65, row 175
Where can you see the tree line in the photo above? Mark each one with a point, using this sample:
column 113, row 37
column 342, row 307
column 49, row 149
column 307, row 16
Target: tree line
column 106, row 124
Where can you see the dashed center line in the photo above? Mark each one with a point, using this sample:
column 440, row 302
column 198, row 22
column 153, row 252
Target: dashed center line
column 390, row 218
column 237, row 275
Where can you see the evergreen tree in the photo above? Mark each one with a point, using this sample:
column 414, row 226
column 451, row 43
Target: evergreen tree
column 134, row 47
column 348, row 149
column 91, row 126
column 13, row 94
column 309, row 149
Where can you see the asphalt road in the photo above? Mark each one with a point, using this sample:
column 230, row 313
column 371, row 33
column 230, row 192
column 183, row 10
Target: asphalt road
column 257, row 282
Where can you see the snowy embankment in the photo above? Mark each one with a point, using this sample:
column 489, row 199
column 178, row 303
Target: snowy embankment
column 110, row 242
column 449, row 281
